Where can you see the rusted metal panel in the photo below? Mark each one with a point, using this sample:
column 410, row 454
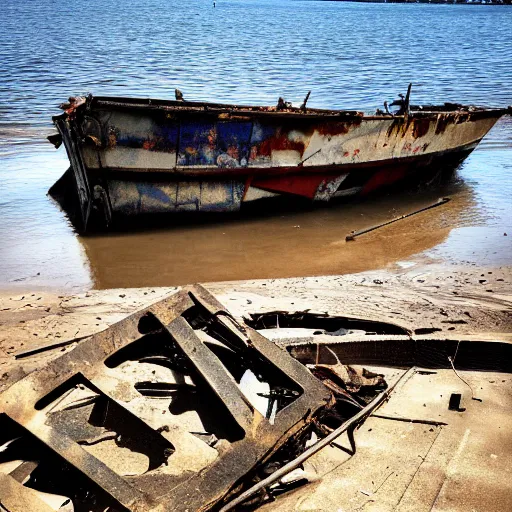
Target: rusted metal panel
column 81, row 189
column 14, row 497
column 86, row 399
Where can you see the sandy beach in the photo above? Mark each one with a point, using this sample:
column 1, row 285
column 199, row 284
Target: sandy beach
column 449, row 302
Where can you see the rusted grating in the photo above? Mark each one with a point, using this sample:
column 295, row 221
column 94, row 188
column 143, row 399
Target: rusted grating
column 152, row 413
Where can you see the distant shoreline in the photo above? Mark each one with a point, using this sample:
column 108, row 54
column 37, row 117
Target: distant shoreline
column 447, row 2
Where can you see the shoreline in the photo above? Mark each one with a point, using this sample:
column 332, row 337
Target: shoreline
column 437, row 2
column 430, row 299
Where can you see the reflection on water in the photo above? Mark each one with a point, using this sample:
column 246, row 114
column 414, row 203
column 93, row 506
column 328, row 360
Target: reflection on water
column 248, row 51
column 278, row 244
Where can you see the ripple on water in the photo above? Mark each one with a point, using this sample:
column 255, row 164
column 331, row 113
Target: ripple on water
column 351, row 55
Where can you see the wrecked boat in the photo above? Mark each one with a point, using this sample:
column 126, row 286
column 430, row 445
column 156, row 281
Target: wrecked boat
column 133, row 156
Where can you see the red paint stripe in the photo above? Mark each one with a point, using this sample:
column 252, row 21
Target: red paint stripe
column 300, row 185
column 384, row 177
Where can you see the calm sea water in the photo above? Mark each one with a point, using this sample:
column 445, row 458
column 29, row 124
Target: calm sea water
column 350, row 55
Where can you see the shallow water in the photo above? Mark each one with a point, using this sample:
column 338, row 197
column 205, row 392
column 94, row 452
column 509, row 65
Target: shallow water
column 350, row 55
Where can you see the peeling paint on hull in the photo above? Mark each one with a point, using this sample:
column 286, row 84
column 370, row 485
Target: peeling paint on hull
column 133, row 156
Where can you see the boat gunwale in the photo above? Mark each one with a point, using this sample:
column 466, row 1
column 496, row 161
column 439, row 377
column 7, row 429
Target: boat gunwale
column 234, row 111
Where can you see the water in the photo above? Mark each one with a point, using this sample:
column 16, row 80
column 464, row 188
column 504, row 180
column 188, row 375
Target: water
column 350, row 55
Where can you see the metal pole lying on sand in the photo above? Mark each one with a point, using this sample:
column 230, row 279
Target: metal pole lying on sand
column 287, row 468
column 353, row 235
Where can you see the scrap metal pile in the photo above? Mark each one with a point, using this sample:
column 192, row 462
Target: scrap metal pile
column 177, row 407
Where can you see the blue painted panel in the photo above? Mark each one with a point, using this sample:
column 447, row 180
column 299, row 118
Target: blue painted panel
column 162, row 137
column 134, row 198
column 198, row 142
column 233, row 143
column 166, row 137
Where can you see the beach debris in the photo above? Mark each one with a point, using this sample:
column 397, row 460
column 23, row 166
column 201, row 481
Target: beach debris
column 352, row 236
column 49, row 346
column 352, row 378
column 321, row 323
column 454, row 403
column 348, row 425
column 177, row 407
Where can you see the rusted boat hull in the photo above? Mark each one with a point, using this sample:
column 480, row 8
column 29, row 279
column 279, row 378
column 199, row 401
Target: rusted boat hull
column 132, row 156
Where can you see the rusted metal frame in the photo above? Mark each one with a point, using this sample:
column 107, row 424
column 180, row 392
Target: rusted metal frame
column 310, row 385
column 15, row 497
column 68, row 449
column 211, row 369
column 216, row 310
column 91, row 352
column 19, row 401
column 261, row 441
column 245, row 454
column 90, row 466
column 227, row 472
column 271, row 352
column 239, row 462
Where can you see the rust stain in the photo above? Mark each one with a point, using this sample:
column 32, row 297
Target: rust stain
column 395, row 127
column 420, row 127
column 333, row 128
column 443, row 120
column 278, row 142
